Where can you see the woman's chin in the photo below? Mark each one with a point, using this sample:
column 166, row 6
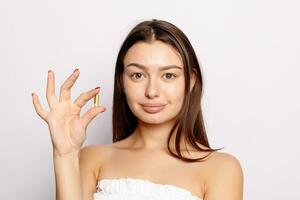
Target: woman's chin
column 154, row 119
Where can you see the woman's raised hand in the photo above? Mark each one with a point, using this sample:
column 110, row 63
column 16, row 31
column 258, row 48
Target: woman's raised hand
column 67, row 128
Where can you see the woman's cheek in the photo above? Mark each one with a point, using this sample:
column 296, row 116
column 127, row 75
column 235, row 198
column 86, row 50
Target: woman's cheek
column 134, row 94
column 176, row 90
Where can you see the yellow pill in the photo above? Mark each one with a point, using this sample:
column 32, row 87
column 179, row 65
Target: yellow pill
column 96, row 100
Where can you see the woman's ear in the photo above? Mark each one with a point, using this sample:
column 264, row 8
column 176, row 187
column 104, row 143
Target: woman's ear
column 193, row 78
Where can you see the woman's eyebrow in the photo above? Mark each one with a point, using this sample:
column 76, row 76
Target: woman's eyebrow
column 160, row 69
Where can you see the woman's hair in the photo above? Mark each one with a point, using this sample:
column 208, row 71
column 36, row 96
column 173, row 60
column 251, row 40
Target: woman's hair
column 190, row 120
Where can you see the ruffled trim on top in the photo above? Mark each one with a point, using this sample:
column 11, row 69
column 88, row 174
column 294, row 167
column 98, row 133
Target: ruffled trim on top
column 133, row 186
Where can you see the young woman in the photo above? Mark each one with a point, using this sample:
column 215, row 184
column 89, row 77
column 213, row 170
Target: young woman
column 160, row 148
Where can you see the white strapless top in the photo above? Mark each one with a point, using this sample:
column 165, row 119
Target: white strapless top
column 139, row 189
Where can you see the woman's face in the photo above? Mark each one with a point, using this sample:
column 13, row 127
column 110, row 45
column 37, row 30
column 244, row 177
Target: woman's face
column 153, row 74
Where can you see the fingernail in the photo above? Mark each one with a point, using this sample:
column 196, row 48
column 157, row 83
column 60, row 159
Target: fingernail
column 49, row 71
column 97, row 88
column 75, row 70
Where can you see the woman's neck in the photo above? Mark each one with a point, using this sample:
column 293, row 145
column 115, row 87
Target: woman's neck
column 153, row 136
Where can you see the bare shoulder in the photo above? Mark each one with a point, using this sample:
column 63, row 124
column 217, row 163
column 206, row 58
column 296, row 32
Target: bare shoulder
column 90, row 162
column 222, row 161
column 224, row 177
column 94, row 150
column 92, row 156
column 97, row 154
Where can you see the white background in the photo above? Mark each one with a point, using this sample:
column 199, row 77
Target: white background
column 249, row 51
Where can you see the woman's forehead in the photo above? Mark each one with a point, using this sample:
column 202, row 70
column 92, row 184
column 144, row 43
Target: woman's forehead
column 153, row 54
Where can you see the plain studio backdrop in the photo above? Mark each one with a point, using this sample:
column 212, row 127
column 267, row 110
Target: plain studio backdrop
column 249, row 54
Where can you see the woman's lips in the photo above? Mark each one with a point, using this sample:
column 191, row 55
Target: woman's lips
column 153, row 109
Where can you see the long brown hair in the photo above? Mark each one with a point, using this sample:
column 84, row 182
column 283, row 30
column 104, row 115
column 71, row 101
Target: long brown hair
column 189, row 122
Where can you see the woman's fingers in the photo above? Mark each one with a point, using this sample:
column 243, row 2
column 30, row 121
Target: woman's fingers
column 91, row 114
column 38, row 108
column 85, row 97
column 50, row 91
column 65, row 89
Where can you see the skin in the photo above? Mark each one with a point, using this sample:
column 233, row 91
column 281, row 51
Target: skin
column 153, row 86
column 219, row 177
column 143, row 154
column 147, row 144
column 68, row 132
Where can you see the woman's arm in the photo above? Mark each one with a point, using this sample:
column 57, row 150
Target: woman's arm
column 68, row 133
column 67, row 176
column 225, row 180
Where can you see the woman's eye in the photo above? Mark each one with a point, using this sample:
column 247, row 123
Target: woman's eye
column 134, row 75
column 170, row 75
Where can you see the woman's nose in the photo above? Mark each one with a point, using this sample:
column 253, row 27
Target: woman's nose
column 152, row 89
